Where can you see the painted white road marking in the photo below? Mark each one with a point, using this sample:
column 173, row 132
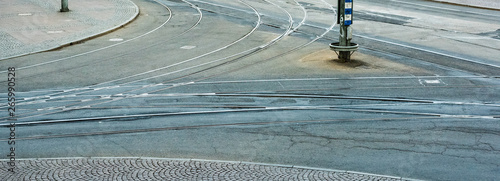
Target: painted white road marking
column 116, row 39
column 432, row 81
column 188, row 47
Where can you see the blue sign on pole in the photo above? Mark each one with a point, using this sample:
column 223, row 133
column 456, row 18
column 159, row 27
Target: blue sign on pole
column 348, row 12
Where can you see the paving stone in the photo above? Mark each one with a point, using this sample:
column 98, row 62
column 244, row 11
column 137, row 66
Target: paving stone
column 167, row 169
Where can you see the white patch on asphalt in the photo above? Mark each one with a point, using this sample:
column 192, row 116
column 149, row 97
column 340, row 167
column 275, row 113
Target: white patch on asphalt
column 55, row 32
column 24, row 14
column 116, row 39
column 188, row 47
column 432, row 81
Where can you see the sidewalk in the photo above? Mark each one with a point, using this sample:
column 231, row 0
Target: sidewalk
column 488, row 4
column 30, row 26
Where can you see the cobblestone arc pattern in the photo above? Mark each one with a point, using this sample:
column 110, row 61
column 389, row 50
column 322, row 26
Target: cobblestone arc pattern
column 164, row 169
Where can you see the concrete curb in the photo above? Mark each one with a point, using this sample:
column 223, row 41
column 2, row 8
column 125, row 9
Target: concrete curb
column 222, row 161
column 137, row 11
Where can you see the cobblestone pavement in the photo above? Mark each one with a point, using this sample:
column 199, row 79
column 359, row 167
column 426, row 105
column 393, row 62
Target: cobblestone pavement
column 30, row 26
column 168, row 169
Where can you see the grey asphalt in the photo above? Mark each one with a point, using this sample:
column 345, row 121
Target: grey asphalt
column 489, row 4
column 193, row 86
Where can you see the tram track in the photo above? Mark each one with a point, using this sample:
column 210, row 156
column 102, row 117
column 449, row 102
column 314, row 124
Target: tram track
column 394, row 111
column 65, row 107
column 103, row 48
column 289, row 29
column 217, row 50
column 100, row 85
column 191, row 28
column 214, row 125
column 261, row 105
column 89, row 97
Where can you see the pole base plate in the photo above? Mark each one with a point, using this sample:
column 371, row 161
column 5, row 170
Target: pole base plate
column 336, row 47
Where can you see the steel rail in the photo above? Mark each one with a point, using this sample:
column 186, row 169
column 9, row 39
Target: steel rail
column 288, row 31
column 246, row 109
column 244, row 53
column 97, row 86
column 267, row 94
column 258, row 50
column 65, row 108
column 91, row 88
column 214, row 125
column 274, row 80
column 103, row 48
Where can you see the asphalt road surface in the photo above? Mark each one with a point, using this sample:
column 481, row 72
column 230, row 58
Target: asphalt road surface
column 255, row 81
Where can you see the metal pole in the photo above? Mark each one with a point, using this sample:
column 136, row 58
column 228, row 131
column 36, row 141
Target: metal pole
column 343, row 39
column 344, row 55
column 64, row 6
column 344, row 18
